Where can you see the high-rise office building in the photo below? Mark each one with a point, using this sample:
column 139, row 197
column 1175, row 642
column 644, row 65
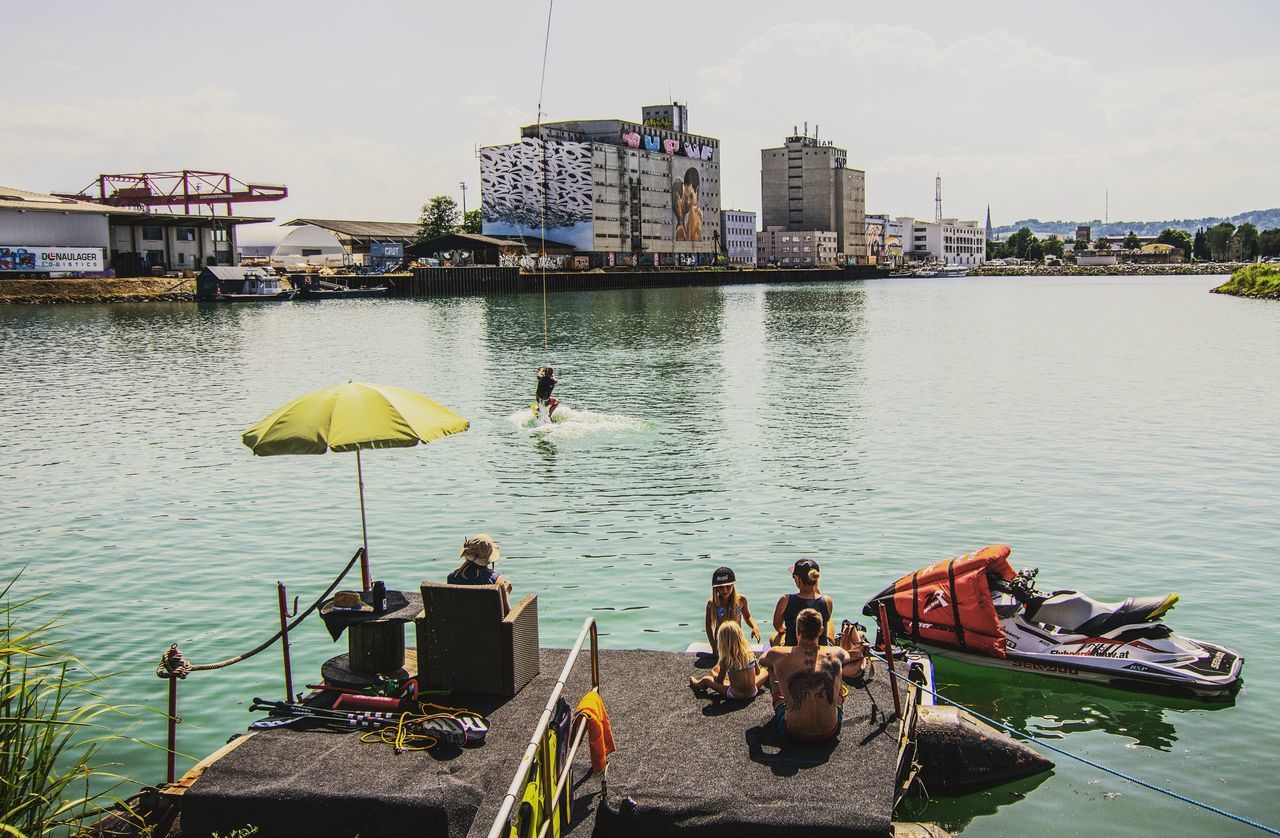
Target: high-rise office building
column 807, row 185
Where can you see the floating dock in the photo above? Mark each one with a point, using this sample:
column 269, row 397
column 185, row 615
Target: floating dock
column 685, row 765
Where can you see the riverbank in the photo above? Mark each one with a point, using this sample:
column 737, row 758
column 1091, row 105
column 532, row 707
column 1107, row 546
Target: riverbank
column 30, row 291
column 1262, row 282
column 1127, row 269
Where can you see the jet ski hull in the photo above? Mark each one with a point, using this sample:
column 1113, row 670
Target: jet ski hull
column 1123, row 673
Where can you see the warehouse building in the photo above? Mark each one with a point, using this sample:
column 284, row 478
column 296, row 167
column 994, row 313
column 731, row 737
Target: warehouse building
column 619, row 192
column 368, row 243
column 47, row 235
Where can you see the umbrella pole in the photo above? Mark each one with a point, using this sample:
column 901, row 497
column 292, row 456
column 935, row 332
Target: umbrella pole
column 364, row 531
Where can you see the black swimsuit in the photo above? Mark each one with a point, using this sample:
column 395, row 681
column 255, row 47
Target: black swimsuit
column 545, row 385
column 796, row 604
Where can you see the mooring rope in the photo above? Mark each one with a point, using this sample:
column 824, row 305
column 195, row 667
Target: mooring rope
column 202, row 667
column 1209, row 807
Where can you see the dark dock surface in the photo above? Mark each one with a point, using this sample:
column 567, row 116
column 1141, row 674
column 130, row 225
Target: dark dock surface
column 685, row 765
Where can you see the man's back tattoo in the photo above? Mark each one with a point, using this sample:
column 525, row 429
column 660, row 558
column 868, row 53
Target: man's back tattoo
column 809, row 682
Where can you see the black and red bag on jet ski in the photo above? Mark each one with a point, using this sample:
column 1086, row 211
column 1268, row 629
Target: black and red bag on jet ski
column 949, row 602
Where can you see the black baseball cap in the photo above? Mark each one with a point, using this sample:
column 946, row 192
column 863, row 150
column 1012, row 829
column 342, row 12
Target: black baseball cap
column 803, row 567
column 722, row 576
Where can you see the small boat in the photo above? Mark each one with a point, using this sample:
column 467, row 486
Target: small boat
column 976, row 608
column 220, row 284
column 318, row 290
column 952, row 271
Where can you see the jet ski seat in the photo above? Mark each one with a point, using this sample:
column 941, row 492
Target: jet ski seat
column 1080, row 614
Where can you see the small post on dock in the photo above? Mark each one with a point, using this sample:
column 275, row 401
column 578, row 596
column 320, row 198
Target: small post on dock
column 888, row 656
column 283, row 599
column 173, row 668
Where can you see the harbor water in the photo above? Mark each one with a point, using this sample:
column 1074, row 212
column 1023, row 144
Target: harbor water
column 1117, row 432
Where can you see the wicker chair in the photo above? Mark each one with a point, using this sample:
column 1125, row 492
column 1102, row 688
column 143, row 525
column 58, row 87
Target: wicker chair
column 467, row 646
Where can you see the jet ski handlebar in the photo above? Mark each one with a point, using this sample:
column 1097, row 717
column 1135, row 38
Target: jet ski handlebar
column 1022, row 586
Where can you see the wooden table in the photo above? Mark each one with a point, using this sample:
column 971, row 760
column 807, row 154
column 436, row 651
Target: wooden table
column 375, row 645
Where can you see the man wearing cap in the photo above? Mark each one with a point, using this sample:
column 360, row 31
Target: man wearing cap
column 808, row 691
column 479, row 552
column 805, row 574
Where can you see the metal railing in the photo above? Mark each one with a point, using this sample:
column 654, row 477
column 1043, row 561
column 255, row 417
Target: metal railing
column 174, row 667
column 540, row 742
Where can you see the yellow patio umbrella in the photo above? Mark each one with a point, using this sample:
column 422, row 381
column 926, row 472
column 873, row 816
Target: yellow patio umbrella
column 350, row 417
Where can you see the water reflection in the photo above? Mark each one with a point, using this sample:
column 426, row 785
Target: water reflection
column 1051, row 708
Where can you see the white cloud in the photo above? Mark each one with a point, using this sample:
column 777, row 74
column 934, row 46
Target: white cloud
column 1004, row 119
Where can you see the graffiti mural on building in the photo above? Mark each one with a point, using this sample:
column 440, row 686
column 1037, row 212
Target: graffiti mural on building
column 530, row 261
column 654, row 143
column 511, row 187
column 686, row 201
column 875, row 243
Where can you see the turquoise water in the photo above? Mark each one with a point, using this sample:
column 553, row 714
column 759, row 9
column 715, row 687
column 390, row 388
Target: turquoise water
column 1118, row 432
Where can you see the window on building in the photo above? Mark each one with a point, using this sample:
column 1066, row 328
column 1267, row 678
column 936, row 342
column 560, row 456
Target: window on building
column 221, row 235
column 152, row 234
column 155, row 257
column 186, row 234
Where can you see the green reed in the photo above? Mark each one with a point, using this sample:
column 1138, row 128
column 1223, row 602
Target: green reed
column 51, row 729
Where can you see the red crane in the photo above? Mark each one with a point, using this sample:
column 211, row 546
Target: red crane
column 187, row 188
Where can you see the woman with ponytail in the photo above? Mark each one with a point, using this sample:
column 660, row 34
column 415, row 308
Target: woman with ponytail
column 806, row 574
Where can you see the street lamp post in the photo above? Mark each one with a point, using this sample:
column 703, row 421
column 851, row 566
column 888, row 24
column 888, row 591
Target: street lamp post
column 463, row 184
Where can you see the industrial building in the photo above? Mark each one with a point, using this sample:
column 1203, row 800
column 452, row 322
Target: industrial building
column 619, row 192
column 143, row 238
column 45, row 234
column 368, row 243
column 806, row 184
column 738, row 232
column 783, row 248
column 37, row 232
column 885, row 238
column 949, row 241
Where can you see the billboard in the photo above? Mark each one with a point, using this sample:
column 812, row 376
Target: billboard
column 386, row 250
column 512, row 182
column 32, row 258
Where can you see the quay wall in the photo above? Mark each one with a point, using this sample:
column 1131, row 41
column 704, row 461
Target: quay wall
column 429, row 282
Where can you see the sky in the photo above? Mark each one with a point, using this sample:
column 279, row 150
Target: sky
column 366, row 110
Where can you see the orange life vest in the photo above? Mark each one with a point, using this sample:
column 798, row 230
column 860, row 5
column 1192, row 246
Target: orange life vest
column 948, row 603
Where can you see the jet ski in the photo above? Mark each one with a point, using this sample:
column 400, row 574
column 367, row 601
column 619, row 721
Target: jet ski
column 978, row 609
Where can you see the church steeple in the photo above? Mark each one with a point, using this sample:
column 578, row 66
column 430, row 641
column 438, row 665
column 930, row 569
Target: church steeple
column 988, row 222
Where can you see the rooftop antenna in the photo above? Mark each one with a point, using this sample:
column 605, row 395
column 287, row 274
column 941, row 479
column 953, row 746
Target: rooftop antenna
column 937, row 198
column 806, row 128
column 815, row 130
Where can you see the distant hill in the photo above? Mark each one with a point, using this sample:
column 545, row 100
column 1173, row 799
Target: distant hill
column 1262, row 219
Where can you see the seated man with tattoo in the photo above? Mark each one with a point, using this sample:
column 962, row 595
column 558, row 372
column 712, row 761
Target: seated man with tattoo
column 808, row 692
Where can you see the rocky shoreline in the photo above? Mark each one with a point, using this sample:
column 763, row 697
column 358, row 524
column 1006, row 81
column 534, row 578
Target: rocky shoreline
column 41, row 291
column 1128, row 269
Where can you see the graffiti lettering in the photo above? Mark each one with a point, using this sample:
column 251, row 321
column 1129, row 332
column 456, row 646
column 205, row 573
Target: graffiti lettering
column 653, row 142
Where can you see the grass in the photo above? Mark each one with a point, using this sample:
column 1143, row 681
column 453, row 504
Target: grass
column 1253, row 281
column 50, row 730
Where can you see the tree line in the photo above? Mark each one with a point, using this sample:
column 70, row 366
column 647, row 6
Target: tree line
column 440, row 217
column 1220, row 243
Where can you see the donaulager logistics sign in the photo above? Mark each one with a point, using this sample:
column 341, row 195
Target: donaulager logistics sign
column 29, row 258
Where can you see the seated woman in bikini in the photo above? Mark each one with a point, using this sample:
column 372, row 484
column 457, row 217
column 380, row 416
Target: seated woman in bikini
column 738, row 676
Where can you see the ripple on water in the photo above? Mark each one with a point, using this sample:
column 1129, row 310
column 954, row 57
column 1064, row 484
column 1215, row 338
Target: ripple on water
column 1113, row 432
